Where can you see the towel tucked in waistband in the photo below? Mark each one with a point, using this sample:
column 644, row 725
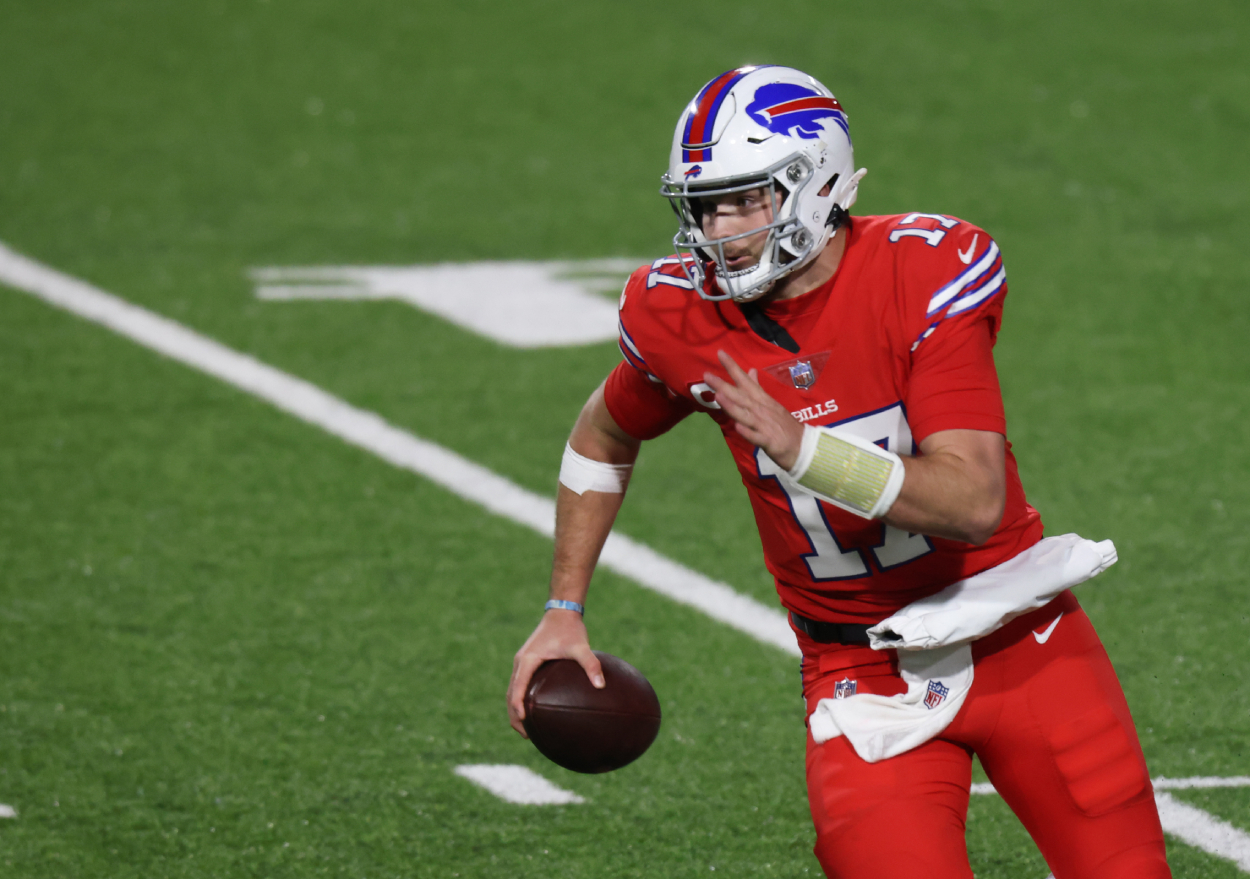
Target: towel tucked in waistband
column 933, row 637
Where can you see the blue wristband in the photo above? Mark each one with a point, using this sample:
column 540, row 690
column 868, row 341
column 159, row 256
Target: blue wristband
column 556, row 604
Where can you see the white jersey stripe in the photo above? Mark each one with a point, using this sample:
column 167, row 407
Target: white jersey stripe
column 957, row 286
column 631, row 352
column 968, row 300
column 629, row 343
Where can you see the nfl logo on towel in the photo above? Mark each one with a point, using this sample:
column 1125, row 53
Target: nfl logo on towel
column 844, row 688
column 802, row 375
column 935, row 696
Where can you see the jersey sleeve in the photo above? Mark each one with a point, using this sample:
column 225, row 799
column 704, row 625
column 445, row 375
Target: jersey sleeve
column 954, row 385
column 637, row 398
column 954, row 291
column 642, row 408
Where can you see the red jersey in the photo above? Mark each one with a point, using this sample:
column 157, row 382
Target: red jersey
column 895, row 347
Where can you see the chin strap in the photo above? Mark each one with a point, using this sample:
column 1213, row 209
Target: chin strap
column 838, row 217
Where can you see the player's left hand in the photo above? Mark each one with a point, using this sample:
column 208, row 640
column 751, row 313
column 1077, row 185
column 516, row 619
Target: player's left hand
column 757, row 416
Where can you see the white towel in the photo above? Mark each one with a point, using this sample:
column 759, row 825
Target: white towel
column 878, row 727
column 933, row 638
column 970, row 609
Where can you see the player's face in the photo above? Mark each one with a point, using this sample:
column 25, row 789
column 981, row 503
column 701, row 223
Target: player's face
column 734, row 213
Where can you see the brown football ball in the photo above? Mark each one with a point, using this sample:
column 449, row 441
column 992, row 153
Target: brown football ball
column 588, row 730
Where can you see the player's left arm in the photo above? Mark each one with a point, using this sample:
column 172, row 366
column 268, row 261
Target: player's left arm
column 955, row 489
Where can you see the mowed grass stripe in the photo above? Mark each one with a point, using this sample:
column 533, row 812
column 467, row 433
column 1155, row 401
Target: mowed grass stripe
column 371, row 432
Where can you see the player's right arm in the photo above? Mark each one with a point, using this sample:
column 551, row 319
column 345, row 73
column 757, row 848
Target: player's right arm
column 583, row 522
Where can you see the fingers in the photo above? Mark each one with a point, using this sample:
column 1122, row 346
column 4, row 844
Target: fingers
column 523, row 668
column 758, row 417
column 732, row 367
column 741, row 397
column 590, row 664
column 559, row 635
column 734, row 399
column 742, row 386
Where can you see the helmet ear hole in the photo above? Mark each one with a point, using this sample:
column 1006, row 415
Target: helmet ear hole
column 827, row 189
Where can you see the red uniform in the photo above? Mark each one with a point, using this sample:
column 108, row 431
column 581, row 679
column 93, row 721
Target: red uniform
column 895, row 347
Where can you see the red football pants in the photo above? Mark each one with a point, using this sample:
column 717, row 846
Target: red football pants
column 1048, row 720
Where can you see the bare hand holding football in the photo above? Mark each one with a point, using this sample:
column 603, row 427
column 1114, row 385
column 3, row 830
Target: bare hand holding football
column 587, row 729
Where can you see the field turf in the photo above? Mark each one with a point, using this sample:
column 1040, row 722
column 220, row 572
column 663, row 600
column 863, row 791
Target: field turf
column 231, row 645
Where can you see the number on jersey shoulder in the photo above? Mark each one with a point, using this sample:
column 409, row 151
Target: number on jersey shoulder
column 668, row 270
column 932, row 235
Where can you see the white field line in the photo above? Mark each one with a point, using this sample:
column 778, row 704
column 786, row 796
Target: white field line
column 1162, row 783
column 372, row 433
column 7, row 811
column 516, row 784
column 1203, row 830
column 1188, row 823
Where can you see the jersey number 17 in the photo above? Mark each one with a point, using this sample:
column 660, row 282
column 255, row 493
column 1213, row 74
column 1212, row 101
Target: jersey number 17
column 828, row 560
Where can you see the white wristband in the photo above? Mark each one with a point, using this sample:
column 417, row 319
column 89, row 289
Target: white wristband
column 849, row 472
column 580, row 474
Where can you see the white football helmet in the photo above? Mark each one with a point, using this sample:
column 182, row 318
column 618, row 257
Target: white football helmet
column 766, row 127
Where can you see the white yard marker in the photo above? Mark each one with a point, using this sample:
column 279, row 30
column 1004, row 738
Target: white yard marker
column 7, row 811
column 524, row 304
column 516, row 784
column 1188, row 823
column 371, row 432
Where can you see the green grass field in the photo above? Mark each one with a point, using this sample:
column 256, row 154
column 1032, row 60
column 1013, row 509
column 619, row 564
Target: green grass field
column 231, row 645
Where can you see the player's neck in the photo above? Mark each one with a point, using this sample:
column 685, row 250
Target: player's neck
column 813, row 275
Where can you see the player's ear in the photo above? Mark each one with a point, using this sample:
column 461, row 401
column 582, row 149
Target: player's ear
column 826, row 189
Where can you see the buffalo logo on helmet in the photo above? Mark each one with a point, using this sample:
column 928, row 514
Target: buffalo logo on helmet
column 693, row 171
column 795, row 110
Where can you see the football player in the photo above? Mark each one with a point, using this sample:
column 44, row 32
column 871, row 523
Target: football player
column 848, row 363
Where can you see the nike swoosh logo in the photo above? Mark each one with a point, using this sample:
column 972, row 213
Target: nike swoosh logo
column 966, row 258
column 1043, row 637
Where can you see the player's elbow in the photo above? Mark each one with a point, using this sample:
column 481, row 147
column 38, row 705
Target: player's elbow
column 984, row 517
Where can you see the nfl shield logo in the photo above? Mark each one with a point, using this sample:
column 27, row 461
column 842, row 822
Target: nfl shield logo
column 802, row 375
column 935, row 696
column 844, row 688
